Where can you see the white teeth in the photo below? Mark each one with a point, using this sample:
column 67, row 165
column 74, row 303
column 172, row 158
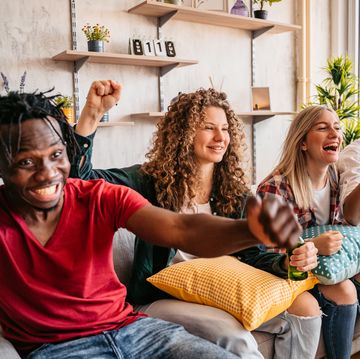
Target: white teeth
column 46, row 191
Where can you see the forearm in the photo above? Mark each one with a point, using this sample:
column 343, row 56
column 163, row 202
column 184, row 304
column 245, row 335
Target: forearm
column 217, row 237
column 352, row 207
column 206, row 235
column 88, row 121
column 201, row 234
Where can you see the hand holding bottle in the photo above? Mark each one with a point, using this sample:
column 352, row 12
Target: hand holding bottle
column 301, row 259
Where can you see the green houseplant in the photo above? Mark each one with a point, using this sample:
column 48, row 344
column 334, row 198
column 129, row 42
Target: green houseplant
column 261, row 13
column 66, row 103
column 96, row 36
column 340, row 91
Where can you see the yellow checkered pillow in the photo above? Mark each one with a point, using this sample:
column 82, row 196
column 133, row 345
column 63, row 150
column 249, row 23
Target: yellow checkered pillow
column 249, row 294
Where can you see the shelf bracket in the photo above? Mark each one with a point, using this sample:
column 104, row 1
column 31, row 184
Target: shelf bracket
column 165, row 69
column 165, row 18
column 79, row 63
column 258, row 33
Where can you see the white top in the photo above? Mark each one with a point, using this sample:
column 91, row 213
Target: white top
column 321, row 204
column 181, row 256
column 349, row 169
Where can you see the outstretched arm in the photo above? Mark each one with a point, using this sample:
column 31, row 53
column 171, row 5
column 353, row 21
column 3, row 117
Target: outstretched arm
column 269, row 222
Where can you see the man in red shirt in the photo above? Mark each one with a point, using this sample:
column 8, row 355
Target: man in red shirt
column 60, row 297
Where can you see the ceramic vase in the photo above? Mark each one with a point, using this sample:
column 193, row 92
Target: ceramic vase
column 239, row 8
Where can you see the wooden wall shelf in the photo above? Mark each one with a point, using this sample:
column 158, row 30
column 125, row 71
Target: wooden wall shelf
column 121, row 59
column 114, row 123
column 257, row 116
column 186, row 13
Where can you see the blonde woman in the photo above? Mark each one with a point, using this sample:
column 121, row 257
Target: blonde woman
column 306, row 177
column 196, row 165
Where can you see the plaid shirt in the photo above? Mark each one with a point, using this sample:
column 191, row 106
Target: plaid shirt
column 277, row 185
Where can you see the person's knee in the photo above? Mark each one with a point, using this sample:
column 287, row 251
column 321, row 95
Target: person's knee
column 305, row 305
column 343, row 293
column 357, row 277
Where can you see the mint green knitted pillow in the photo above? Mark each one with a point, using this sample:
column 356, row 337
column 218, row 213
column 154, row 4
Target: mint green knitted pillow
column 343, row 264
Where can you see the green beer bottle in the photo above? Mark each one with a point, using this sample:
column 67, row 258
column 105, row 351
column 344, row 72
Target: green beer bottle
column 293, row 273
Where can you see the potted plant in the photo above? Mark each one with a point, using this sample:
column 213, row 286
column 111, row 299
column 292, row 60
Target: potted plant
column 66, row 104
column 340, row 91
column 261, row 13
column 96, row 36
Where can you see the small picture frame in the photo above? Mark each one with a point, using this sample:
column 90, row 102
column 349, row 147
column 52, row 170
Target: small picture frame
column 136, row 47
column 148, row 46
column 260, row 99
column 159, row 47
column 215, row 5
column 170, row 49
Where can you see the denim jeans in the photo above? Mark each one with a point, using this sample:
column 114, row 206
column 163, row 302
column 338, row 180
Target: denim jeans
column 146, row 338
column 357, row 287
column 338, row 324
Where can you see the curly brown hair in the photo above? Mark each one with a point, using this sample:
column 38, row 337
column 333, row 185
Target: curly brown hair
column 172, row 162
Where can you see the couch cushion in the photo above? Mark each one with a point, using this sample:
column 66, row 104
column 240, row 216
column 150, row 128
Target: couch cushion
column 123, row 254
column 343, row 264
column 207, row 322
column 249, row 294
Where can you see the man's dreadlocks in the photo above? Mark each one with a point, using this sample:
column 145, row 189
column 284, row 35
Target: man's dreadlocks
column 15, row 108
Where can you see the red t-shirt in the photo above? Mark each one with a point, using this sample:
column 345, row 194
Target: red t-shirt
column 67, row 288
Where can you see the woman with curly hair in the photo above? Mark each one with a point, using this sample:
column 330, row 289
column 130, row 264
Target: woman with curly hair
column 196, row 166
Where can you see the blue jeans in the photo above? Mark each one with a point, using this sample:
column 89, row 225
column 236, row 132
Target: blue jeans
column 357, row 287
column 338, row 325
column 146, row 338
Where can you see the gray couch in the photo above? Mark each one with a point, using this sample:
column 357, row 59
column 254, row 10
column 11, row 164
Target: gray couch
column 123, row 254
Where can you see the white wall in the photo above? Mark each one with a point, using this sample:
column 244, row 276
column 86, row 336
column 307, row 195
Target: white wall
column 35, row 30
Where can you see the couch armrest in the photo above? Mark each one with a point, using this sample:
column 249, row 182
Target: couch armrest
column 7, row 351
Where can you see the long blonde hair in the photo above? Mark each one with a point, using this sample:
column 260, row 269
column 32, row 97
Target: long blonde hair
column 293, row 161
column 172, row 162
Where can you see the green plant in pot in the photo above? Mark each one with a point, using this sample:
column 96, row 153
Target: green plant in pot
column 66, row 103
column 340, row 91
column 261, row 13
column 96, row 36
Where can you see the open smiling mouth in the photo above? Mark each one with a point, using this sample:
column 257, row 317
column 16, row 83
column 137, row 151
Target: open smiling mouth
column 331, row 148
column 47, row 193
